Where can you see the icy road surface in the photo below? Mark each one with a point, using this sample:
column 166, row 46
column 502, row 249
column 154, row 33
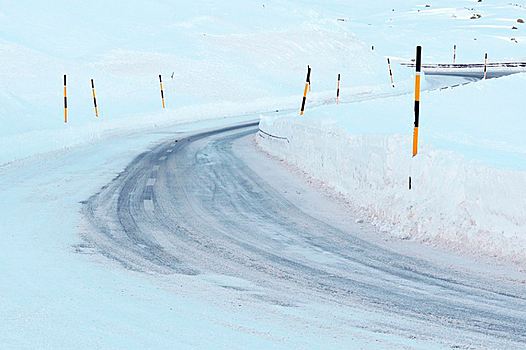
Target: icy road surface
column 209, row 204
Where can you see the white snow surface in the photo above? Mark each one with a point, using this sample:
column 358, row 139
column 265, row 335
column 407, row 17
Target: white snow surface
column 230, row 59
column 216, row 59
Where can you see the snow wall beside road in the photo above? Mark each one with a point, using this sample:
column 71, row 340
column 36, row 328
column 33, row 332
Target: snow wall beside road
column 468, row 196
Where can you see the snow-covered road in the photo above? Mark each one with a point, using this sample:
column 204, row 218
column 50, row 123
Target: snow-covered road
column 207, row 203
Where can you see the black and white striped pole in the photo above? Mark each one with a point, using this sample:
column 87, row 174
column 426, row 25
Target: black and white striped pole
column 454, row 53
column 390, row 72
column 305, row 92
column 94, row 98
column 417, row 104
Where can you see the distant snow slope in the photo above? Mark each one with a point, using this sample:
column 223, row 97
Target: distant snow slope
column 226, row 59
column 470, row 174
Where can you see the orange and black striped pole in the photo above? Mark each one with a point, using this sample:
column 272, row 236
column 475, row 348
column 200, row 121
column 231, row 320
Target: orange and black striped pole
column 305, row 92
column 162, row 92
column 338, row 90
column 65, row 101
column 417, row 98
column 390, row 72
column 485, row 65
column 417, row 102
column 94, row 98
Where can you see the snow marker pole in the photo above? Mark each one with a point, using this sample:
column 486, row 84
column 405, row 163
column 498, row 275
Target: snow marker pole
column 162, row 92
column 390, row 72
column 417, row 98
column 417, row 102
column 306, row 89
column 454, row 53
column 338, row 90
column 65, row 102
column 94, row 98
column 485, row 64
column 308, row 77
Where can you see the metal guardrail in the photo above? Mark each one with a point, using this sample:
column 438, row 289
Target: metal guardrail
column 472, row 70
column 469, row 65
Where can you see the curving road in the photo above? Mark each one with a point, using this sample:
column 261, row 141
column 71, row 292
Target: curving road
column 199, row 204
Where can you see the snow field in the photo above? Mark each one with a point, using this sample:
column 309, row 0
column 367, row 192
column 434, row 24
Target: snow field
column 215, row 59
column 236, row 58
column 220, row 55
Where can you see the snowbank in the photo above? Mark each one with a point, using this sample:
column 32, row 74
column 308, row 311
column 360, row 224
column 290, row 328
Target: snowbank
column 469, row 177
